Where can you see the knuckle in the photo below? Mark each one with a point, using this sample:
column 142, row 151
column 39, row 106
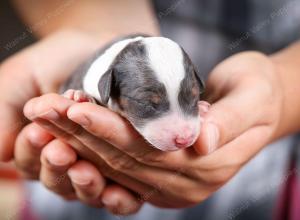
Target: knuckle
column 27, row 168
column 151, row 157
column 194, row 194
column 75, row 130
column 57, row 184
column 126, row 209
column 110, row 172
column 121, row 162
column 195, row 197
column 65, row 136
column 88, row 194
column 52, row 186
column 216, row 178
column 108, row 134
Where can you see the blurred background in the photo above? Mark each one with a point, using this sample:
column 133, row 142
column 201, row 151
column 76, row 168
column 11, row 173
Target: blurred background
column 11, row 192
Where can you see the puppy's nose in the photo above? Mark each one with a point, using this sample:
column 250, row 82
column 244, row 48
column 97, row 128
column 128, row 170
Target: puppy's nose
column 183, row 141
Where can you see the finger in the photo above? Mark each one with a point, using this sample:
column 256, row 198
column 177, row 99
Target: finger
column 43, row 106
column 106, row 125
column 120, row 201
column 12, row 100
column 142, row 175
column 11, row 124
column 53, row 107
column 87, row 182
column 124, row 167
column 112, row 128
column 113, row 157
column 29, row 145
column 57, row 157
column 228, row 118
column 85, row 152
column 233, row 154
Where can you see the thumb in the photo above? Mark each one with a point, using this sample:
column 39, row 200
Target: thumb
column 227, row 119
column 16, row 87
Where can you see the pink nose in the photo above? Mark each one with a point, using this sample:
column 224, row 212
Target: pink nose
column 183, row 141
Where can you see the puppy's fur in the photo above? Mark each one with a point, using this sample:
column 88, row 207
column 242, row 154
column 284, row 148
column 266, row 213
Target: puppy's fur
column 152, row 82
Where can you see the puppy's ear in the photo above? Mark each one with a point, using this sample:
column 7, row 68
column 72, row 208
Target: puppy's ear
column 105, row 86
column 191, row 69
column 200, row 81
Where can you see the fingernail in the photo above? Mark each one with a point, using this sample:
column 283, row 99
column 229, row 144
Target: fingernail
column 204, row 103
column 110, row 200
column 38, row 139
column 203, row 107
column 50, row 115
column 82, row 120
column 213, row 136
column 79, row 180
column 37, row 142
column 58, row 160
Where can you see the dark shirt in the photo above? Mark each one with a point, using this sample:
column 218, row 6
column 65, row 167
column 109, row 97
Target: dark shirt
column 224, row 27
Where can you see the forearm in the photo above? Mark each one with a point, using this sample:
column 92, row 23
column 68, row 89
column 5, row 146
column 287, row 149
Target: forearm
column 287, row 63
column 105, row 19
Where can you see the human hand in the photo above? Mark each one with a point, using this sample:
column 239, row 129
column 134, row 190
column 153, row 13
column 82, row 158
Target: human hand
column 57, row 166
column 233, row 131
column 32, row 72
column 37, row 70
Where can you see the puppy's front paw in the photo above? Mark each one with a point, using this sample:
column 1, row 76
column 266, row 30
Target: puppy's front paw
column 203, row 107
column 78, row 96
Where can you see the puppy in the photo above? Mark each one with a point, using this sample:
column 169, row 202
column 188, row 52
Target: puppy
column 151, row 82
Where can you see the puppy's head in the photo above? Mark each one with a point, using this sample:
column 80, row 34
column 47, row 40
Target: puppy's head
column 153, row 83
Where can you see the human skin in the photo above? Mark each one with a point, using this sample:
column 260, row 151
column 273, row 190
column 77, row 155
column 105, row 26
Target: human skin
column 249, row 87
column 70, row 33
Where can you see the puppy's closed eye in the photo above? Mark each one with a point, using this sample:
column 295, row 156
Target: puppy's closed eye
column 156, row 99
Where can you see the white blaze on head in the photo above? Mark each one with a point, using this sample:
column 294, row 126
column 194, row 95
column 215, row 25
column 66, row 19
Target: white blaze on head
column 166, row 59
column 173, row 130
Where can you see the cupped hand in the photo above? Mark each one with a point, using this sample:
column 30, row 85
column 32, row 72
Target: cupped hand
column 246, row 97
column 37, row 70
column 34, row 71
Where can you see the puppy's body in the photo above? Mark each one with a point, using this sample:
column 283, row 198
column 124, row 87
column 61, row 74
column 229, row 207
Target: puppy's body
column 151, row 82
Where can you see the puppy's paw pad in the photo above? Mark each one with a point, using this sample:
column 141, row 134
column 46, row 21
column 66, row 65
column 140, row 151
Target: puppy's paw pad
column 203, row 107
column 69, row 94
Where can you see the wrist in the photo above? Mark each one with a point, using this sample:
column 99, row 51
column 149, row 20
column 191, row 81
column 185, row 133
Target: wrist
column 286, row 67
column 282, row 125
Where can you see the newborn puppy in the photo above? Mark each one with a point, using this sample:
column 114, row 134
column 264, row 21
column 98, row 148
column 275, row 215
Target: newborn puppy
column 151, row 82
